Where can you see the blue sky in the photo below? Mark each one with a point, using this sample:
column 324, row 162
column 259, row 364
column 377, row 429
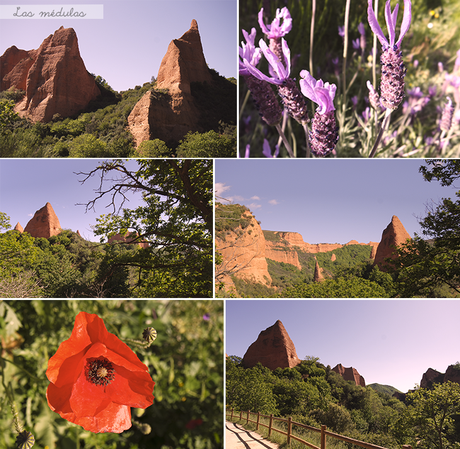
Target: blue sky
column 126, row 46
column 26, row 185
column 391, row 342
column 330, row 201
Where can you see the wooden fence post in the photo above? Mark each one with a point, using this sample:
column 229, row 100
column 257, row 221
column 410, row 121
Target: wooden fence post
column 241, row 415
column 323, row 437
column 247, row 418
column 232, row 414
column 289, row 430
column 258, row 419
column 270, row 425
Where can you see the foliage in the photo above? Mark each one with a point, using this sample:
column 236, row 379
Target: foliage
column 433, row 415
column 208, row 144
column 314, row 394
column 230, row 217
column 185, row 362
column 337, row 288
column 425, row 266
column 175, row 220
column 414, row 131
column 102, row 129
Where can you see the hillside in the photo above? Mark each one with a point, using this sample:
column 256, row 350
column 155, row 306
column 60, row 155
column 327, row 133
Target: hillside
column 384, row 389
column 188, row 111
column 265, row 263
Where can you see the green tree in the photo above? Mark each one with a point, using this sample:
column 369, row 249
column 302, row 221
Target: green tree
column 424, row 265
column 250, row 389
column 337, row 288
column 174, row 223
column 209, row 144
column 153, row 148
column 433, row 414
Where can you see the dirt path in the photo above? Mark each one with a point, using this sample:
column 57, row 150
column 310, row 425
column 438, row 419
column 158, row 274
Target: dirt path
column 237, row 437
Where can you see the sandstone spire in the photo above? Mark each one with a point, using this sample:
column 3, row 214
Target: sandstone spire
column 19, row 228
column 350, row 374
column 45, row 223
column 318, row 276
column 184, row 62
column 393, row 236
column 273, row 349
column 54, row 77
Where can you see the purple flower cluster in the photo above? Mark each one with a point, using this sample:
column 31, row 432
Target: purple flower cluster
column 324, row 135
column 393, row 69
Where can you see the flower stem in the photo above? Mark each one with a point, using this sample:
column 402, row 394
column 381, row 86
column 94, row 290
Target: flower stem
column 312, row 33
column 345, row 53
column 285, row 141
column 307, row 141
column 384, row 125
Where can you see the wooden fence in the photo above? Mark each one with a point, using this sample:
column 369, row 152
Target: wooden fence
column 289, row 434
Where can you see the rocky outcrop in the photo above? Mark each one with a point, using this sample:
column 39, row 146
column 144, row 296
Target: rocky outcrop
column 285, row 255
column 295, row 239
column 44, row 223
column 431, row 376
column 169, row 116
column 350, row 374
column 393, row 236
column 273, row 349
column 129, row 238
column 318, row 275
column 19, row 228
column 243, row 252
column 184, row 63
column 54, row 77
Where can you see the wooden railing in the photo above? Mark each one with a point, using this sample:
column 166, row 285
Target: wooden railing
column 289, row 434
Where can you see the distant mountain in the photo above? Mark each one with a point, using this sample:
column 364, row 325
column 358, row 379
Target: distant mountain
column 386, row 389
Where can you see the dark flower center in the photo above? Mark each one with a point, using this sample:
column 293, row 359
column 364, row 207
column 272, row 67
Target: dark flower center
column 100, row 371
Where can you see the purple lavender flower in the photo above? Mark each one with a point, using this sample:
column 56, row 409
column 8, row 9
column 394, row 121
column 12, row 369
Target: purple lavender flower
column 275, row 30
column 393, row 69
column 366, row 114
column 248, row 52
column 342, row 31
column 362, row 38
column 267, row 151
column 457, row 61
column 262, row 93
column 355, row 44
column 289, row 92
column 324, row 135
column 279, row 72
column 374, row 98
column 447, row 115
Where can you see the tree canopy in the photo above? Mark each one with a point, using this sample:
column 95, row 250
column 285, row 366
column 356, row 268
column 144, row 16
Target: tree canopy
column 175, row 221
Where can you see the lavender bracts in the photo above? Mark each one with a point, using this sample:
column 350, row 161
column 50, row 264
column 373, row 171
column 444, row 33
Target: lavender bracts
column 393, row 70
column 324, row 134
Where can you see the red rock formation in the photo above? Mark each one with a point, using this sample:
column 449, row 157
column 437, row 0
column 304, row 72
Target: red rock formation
column 333, row 257
column 318, row 276
column 273, row 349
column 170, row 116
column 44, row 223
column 184, row 62
column 393, row 236
column 285, row 255
column 452, row 374
column 243, row 253
column 19, row 228
column 54, row 77
column 129, row 238
column 350, row 374
column 432, row 377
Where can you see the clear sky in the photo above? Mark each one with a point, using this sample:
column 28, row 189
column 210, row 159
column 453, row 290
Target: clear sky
column 126, row 46
column 26, row 185
column 330, row 201
column 391, row 342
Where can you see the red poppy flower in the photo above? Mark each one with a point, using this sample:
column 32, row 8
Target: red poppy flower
column 96, row 378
